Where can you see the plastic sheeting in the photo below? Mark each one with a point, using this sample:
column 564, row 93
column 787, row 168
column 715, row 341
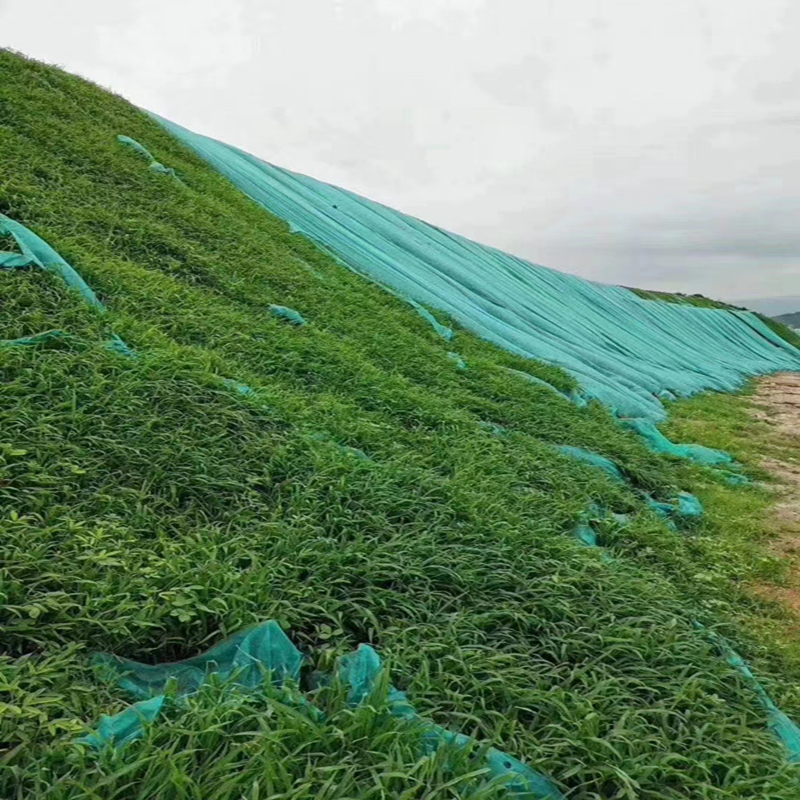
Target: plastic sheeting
column 784, row 728
column 660, row 444
column 35, row 251
column 247, row 660
column 361, row 670
column 624, row 350
column 154, row 165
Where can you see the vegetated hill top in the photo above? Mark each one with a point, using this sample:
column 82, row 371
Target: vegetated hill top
column 345, row 477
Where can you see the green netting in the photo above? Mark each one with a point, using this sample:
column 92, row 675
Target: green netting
column 779, row 723
column 117, row 345
column 784, row 728
column 574, row 397
column 446, row 333
column 127, row 726
column 249, row 658
column 686, row 507
column 241, row 388
column 15, row 261
column 584, row 530
column 287, row 314
column 37, row 251
column 48, row 337
column 493, row 428
column 585, row 533
column 154, row 165
column 660, row 444
column 624, row 350
column 342, row 448
column 734, row 478
column 689, row 505
column 601, row 462
column 361, row 671
column 457, row 360
column 246, row 659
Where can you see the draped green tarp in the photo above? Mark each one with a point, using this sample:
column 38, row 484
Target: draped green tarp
column 264, row 653
column 625, row 351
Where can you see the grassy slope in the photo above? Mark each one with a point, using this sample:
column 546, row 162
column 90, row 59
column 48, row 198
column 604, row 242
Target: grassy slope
column 726, row 422
column 147, row 510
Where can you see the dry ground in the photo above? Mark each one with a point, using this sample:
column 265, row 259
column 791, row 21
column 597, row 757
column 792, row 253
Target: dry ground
column 777, row 403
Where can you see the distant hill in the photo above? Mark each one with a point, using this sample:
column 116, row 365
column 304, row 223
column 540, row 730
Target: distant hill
column 792, row 320
column 771, row 306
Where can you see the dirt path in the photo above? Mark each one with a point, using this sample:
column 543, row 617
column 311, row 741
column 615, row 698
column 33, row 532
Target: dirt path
column 777, row 403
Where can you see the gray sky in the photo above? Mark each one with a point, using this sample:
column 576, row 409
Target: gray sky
column 640, row 142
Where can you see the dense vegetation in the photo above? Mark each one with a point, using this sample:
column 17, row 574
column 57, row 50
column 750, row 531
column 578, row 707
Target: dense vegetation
column 147, row 508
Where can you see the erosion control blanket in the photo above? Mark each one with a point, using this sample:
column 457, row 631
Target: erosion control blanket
column 624, row 350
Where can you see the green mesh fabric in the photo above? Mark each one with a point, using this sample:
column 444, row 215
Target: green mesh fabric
column 48, row 337
column 784, row 728
column 585, row 533
column 574, row 397
column 240, row 388
column 125, row 727
column 246, row 659
column 625, row 351
column 263, row 652
column 446, row 333
column 360, row 672
column 457, row 360
column 684, row 508
column 16, row 261
column 660, row 444
column 37, row 251
column 342, row 448
column 734, row 478
column 595, row 460
column 154, row 165
column 288, row 315
column 493, row 428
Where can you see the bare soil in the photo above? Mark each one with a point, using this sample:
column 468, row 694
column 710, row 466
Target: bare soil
column 777, row 403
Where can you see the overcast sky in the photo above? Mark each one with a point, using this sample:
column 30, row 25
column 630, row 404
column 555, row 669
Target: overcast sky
column 640, row 142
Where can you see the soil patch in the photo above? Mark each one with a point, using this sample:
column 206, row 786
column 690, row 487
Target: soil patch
column 777, row 402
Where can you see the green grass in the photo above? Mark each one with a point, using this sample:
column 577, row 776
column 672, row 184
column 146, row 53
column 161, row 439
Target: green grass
column 699, row 300
column 148, row 510
column 726, row 422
